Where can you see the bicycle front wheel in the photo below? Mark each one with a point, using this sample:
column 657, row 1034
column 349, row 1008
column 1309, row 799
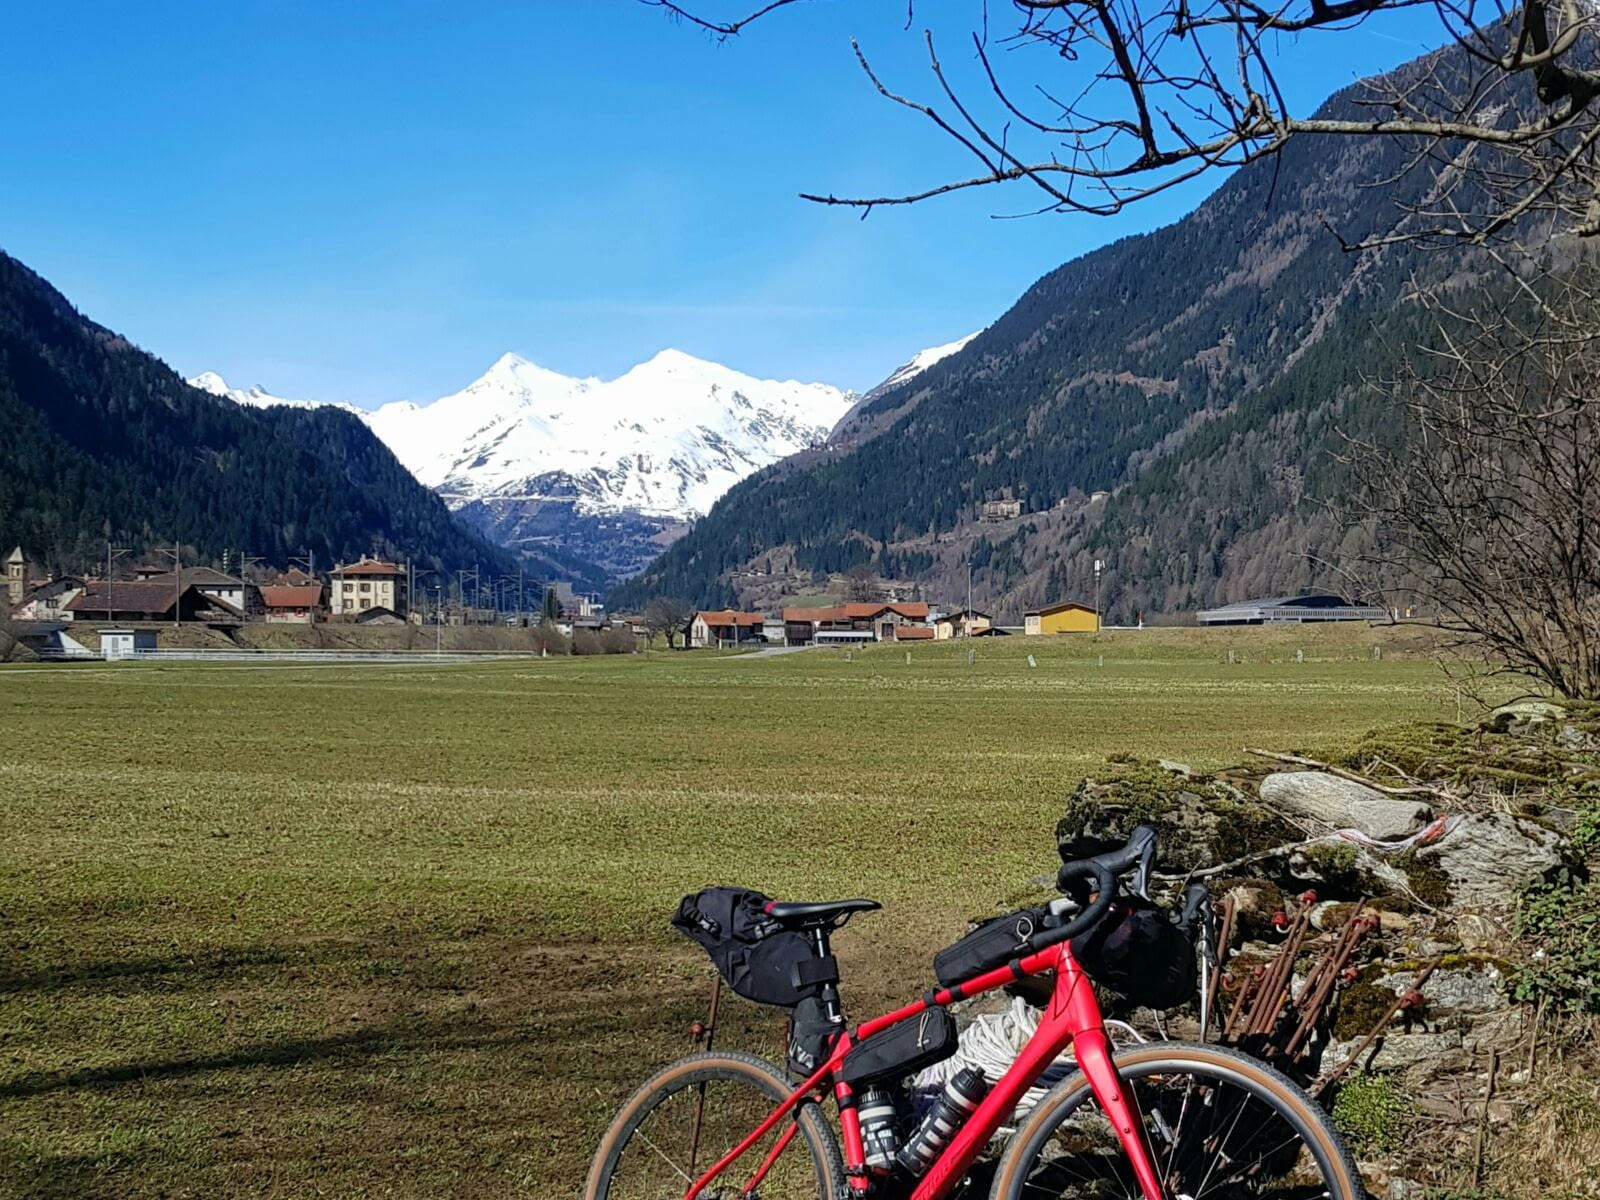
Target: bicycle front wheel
column 1220, row 1126
column 677, row 1126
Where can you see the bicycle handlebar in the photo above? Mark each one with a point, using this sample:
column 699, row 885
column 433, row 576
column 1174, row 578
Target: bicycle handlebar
column 1105, row 886
column 1102, row 872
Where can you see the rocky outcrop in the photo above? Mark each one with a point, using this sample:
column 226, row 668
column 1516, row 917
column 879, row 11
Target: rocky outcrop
column 1341, row 803
column 1463, row 834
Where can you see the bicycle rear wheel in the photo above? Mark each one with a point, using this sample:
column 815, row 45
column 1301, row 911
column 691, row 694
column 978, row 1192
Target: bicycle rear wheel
column 685, row 1119
column 1220, row 1126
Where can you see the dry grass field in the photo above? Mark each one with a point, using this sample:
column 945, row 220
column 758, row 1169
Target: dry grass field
column 293, row 931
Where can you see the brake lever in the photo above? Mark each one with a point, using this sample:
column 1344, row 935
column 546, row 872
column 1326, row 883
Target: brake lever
column 1146, row 864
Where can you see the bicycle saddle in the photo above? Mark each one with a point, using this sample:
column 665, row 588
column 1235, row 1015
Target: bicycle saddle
column 802, row 914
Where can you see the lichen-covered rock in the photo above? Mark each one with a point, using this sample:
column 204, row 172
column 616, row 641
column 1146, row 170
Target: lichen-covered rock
column 1479, row 932
column 1468, row 990
column 1201, row 822
column 1487, row 858
column 1524, row 716
column 1402, row 1051
column 1342, row 803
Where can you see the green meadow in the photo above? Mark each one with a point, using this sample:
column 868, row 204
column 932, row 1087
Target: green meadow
column 285, row 930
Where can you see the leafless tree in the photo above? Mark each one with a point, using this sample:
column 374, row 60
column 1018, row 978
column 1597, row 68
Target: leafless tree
column 1099, row 104
column 666, row 615
column 861, row 585
column 1483, row 498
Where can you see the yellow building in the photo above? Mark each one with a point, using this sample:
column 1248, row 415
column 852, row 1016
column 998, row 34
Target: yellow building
column 1067, row 617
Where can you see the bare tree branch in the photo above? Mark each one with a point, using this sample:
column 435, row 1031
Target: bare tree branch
column 1161, row 91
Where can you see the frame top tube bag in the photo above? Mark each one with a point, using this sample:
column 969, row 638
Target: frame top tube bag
column 753, row 953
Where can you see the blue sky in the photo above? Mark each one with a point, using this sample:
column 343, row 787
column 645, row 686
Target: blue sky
column 370, row 202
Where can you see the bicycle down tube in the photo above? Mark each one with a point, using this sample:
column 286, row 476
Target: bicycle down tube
column 1072, row 1018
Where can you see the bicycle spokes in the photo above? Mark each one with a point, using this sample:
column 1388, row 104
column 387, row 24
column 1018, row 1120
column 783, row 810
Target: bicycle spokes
column 688, row 1131
column 1209, row 1139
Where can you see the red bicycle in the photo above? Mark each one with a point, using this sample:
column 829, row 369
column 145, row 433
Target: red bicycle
column 1158, row 1121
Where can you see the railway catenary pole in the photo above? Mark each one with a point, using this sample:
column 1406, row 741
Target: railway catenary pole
column 112, row 554
column 966, row 617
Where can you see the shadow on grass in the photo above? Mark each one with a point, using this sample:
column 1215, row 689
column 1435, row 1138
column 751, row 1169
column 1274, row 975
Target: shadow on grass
column 180, row 972
column 412, row 1036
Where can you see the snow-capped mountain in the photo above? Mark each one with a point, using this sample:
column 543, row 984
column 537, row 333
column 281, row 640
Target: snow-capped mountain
column 917, row 364
column 665, row 439
column 857, row 423
column 256, row 397
column 612, row 470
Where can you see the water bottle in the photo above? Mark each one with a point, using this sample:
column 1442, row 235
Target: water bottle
column 960, row 1096
column 880, row 1128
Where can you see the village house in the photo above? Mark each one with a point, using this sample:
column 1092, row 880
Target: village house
column 962, row 623
column 723, row 627
column 124, row 601
column 232, row 591
column 367, row 584
column 48, row 599
column 29, row 599
column 1067, row 617
column 870, row 621
column 292, row 603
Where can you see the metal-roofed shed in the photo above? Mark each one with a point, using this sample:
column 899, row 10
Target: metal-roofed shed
column 1291, row 610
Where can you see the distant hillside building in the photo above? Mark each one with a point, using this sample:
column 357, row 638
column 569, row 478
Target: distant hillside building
column 1291, row 610
column 1000, row 510
column 368, row 583
column 1067, row 617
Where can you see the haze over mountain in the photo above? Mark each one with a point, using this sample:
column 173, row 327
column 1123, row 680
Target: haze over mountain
column 1198, row 373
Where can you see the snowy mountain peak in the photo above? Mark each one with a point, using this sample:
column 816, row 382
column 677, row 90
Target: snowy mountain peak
column 920, row 362
column 251, row 397
column 665, row 439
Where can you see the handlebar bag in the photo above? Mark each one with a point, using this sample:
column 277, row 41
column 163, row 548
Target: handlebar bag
column 902, row 1049
column 1140, row 953
column 754, row 954
column 992, row 944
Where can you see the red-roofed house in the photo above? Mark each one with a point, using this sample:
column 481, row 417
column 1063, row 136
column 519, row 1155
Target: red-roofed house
column 292, row 603
column 873, row 621
column 723, row 628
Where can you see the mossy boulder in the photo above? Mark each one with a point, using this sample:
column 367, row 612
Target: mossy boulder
column 1201, row 823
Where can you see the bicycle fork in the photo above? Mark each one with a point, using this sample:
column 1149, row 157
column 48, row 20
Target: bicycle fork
column 1073, row 1018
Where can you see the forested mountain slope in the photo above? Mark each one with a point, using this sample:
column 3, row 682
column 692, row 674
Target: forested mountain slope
column 100, row 435
column 1196, row 373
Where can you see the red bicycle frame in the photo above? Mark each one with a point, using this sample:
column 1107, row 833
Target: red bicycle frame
column 1072, row 1018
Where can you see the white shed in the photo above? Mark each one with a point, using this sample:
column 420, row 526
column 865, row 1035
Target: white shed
column 124, row 643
